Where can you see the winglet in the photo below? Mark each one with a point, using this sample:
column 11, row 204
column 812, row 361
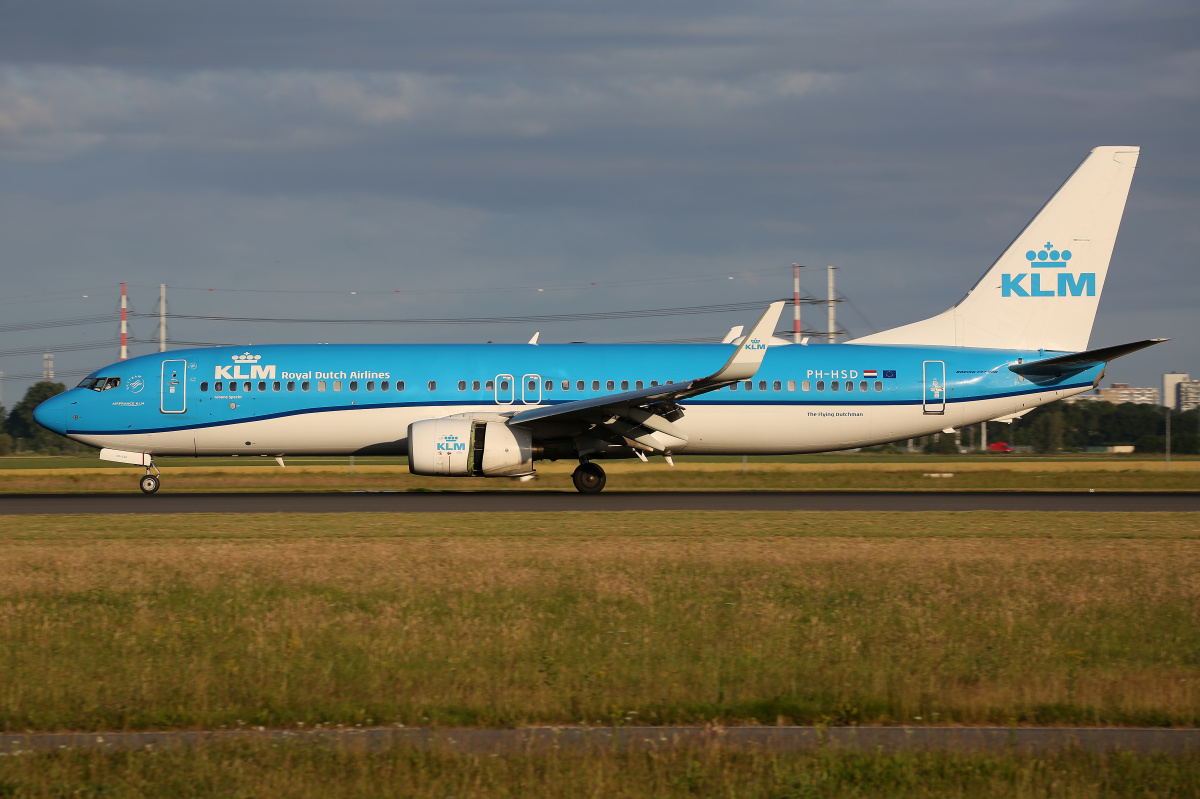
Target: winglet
column 535, row 337
column 748, row 356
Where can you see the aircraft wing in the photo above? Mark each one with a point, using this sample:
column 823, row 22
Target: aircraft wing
column 1078, row 361
column 639, row 415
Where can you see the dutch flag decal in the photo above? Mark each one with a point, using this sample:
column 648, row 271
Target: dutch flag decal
column 870, row 373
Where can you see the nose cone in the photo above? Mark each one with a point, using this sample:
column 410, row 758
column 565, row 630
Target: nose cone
column 52, row 414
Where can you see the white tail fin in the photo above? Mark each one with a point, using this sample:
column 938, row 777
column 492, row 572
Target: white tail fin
column 1043, row 291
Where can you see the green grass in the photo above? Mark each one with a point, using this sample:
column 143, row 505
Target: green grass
column 111, row 622
column 251, row 770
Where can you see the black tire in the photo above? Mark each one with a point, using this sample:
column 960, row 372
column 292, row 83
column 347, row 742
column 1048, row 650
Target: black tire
column 589, row 478
column 149, row 484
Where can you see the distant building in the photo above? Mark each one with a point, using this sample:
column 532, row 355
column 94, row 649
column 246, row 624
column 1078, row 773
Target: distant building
column 1121, row 392
column 1187, row 395
column 1091, row 396
column 1170, row 381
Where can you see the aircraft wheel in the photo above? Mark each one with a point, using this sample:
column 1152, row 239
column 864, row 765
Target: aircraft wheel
column 589, row 478
column 149, row 484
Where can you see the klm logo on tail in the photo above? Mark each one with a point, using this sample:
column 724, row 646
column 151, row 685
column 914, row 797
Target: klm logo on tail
column 1068, row 284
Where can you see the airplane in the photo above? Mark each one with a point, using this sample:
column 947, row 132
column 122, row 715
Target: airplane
column 1016, row 341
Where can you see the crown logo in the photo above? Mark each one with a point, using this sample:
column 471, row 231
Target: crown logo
column 1048, row 256
column 246, row 357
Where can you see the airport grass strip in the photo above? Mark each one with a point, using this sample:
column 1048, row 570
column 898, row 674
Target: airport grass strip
column 1020, row 476
column 227, row 620
column 273, row 769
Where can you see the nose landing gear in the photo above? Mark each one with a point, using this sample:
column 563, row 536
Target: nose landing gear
column 589, row 478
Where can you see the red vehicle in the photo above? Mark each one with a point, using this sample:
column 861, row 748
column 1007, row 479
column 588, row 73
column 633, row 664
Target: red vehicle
column 1000, row 447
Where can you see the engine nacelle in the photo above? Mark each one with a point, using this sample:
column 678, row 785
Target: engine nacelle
column 463, row 447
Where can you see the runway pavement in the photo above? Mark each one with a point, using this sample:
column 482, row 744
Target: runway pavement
column 549, row 739
column 555, row 501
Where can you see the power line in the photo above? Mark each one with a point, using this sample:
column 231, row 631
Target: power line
column 586, row 316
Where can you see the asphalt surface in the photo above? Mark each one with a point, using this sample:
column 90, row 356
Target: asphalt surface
column 549, row 739
column 554, row 501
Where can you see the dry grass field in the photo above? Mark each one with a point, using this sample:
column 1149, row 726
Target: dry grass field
column 981, row 474
column 221, row 620
column 250, row 770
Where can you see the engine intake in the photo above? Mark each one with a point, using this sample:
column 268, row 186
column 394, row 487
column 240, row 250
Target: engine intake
column 457, row 447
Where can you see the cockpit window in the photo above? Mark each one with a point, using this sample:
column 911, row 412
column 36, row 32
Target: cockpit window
column 99, row 383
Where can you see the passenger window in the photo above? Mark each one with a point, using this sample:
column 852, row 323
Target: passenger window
column 862, row 386
column 490, row 385
column 639, row 384
column 762, row 385
column 749, row 385
column 595, row 385
column 337, row 385
column 433, row 385
column 879, row 385
column 653, row 383
column 504, row 385
column 354, row 385
column 549, row 385
column 204, row 386
column 532, row 385
column 291, row 385
column 262, row 385
column 320, row 385
column 246, row 386
column 474, row 385
column 275, row 386
column 806, row 385
column 791, row 385
column 834, row 385
column 777, row 386
column 733, row 387
column 399, row 385
column 383, row 386
column 580, row 385
column 624, row 385
column 566, row 385
column 462, row 385
column 849, row 385
column 304, row 386
column 370, row 385
column 820, row 385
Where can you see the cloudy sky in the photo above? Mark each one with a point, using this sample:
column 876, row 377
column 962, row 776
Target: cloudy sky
column 447, row 160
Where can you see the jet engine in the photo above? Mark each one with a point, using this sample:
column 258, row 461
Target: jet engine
column 464, row 447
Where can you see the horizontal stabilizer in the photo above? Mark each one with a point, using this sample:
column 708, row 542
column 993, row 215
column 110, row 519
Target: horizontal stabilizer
column 1079, row 361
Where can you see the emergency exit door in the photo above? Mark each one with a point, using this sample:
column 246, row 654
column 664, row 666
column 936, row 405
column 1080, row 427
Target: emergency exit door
column 935, row 387
column 173, row 395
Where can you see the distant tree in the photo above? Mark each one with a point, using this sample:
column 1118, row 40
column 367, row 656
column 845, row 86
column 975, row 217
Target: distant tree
column 1150, row 444
column 20, row 423
column 1046, row 435
column 942, row 444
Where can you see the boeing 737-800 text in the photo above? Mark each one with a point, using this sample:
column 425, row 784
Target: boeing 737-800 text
column 1016, row 341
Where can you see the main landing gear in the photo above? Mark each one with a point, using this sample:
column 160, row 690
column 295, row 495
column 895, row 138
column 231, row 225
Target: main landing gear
column 589, row 478
column 149, row 483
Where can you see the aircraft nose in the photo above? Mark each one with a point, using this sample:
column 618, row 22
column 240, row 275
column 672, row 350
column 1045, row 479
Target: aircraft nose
column 52, row 414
